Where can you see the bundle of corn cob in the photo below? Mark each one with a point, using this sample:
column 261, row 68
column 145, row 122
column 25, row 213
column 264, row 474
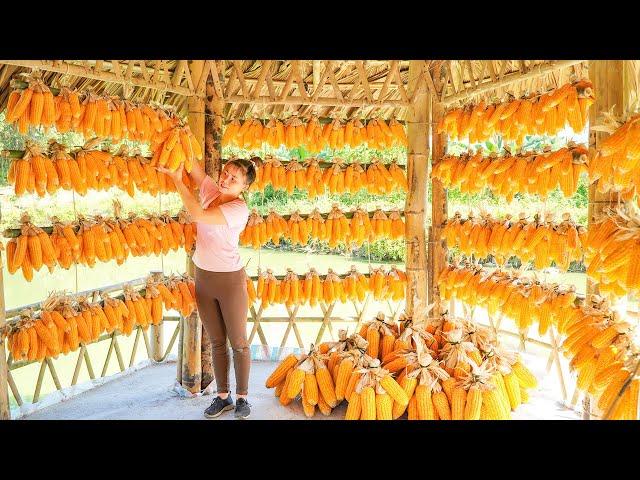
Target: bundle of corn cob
column 311, row 288
column 465, row 376
column 613, row 249
column 538, row 241
column 105, row 116
column 98, row 238
column 29, row 251
column 600, row 345
column 176, row 147
column 63, row 326
column 525, row 172
column 90, row 169
column 615, row 164
column 252, row 134
column 535, row 114
column 33, row 106
column 307, row 376
column 523, row 299
column 65, row 322
column 381, row 334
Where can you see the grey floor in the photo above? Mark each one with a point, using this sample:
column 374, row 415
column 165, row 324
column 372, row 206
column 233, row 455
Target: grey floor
column 147, row 394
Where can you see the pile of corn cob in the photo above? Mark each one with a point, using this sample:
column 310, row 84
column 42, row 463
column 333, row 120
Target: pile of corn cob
column 103, row 239
column 602, row 352
column 376, row 178
column 311, row 288
column 311, row 375
column 452, row 369
column 613, row 251
column 333, row 227
column 66, row 322
column 536, row 114
column 524, row 299
column 527, row 172
column 539, row 241
column 309, row 133
column 86, row 169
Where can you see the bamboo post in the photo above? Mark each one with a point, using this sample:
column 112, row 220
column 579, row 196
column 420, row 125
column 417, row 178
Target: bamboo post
column 608, row 83
column 439, row 208
column 192, row 336
column 417, row 158
column 157, row 338
column 5, row 412
column 212, row 166
column 611, row 91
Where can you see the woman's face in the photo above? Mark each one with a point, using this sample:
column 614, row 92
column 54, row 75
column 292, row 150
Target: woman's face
column 232, row 180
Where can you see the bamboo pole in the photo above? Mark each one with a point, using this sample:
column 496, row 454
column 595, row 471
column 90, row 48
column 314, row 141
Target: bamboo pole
column 417, row 158
column 608, row 84
column 212, row 165
column 157, row 331
column 612, row 91
column 5, row 412
column 192, row 336
column 439, row 208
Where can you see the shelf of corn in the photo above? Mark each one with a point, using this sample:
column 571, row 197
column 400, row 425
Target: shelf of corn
column 535, row 114
column 613, row 251
column 615, row 164
column 65, row 322
column 526, row 300
column 540, row 241
column 88, row 240
column 604, row 355
column 375, row 177
column 295, row 132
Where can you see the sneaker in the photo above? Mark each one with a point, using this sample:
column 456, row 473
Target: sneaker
column 243, row 409
column 218, row 407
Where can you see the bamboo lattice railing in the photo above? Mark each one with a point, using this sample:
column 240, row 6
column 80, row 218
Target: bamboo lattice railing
column 159, row 354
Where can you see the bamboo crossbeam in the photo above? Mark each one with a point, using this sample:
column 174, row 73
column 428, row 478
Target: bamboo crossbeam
column 537, row 71
column 6, row 155
column 322, row 101
column 15, row 232
column 85, row 72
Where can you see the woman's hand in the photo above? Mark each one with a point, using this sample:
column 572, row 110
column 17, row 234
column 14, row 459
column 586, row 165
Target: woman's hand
column 175, row 176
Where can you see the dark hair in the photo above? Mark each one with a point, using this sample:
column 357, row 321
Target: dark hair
column 247, row 166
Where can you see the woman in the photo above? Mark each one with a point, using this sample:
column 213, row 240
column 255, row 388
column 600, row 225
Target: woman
column 221, row 288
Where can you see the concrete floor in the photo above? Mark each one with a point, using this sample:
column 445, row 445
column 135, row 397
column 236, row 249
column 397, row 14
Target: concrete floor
column 148, row 394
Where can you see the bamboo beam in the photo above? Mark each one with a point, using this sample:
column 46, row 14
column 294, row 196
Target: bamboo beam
column 322, row 101
column 192, row 335
column 510, row 79
column 88, row 72
column 417, row 170
column 5, row 412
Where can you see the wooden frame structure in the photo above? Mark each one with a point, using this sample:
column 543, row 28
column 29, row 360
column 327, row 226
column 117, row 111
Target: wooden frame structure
column 211, row 92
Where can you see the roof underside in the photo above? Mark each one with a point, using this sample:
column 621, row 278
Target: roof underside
column 342, row 88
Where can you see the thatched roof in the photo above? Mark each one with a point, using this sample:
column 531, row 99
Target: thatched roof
column 387, row 82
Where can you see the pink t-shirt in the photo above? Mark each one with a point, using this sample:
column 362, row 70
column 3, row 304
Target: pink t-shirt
column 217, row 245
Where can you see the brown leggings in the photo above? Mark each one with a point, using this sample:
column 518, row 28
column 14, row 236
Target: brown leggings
column 222, row 304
